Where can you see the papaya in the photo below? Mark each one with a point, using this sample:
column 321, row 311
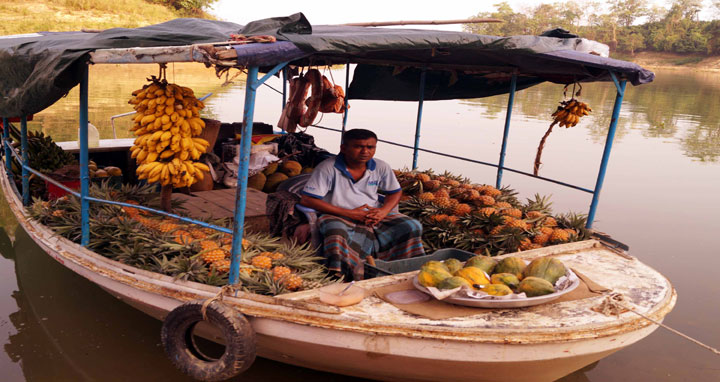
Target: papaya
column 507, row 279
column 452, row 265
column 547, row 268
column 497, row 289
column 474, row 275
column 512, row 265
column 434, row 264
column 535, row 286
column 432, row 277
column 485, row 263
column 452, row 283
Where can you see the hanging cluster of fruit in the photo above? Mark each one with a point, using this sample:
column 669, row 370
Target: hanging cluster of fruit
column 325, row 97
column 167, row 125
column 481, row 218
column 568, row 114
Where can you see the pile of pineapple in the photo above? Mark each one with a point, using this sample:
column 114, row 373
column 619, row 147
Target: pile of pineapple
column 482, row 218
column 184, row 251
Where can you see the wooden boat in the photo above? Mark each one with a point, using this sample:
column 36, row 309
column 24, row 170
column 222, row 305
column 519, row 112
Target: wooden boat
column 375, row 339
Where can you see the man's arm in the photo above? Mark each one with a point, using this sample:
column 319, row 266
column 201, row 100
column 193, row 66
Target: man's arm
column 358, row 214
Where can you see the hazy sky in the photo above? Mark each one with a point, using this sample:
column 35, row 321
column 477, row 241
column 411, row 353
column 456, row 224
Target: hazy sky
column 339, row 12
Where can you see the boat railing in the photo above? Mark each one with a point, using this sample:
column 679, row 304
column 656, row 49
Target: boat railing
column 252, row 85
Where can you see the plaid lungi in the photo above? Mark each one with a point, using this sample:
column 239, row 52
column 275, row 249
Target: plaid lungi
column 347, row 244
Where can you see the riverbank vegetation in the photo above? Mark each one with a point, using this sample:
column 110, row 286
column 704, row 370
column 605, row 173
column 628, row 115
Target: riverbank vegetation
column 627, row 26
column 73, row 15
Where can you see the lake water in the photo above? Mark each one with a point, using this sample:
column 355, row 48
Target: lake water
column 660, row 197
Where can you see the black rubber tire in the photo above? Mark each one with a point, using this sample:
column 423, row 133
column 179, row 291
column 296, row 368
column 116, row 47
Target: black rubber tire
column 177, row 339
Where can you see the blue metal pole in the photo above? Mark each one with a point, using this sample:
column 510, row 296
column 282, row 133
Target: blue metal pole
column 345, row 113
column 506, row 132
column 241, row 194
column 84, row 173
column 25, row 161
column 608, row 147
column 6, row 146
column 419, row 118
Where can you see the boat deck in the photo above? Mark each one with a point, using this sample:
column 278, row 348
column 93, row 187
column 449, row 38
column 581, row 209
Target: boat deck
column 217, row 204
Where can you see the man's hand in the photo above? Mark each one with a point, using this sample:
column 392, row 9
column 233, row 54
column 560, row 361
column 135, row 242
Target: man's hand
column 375, row 216
column 358, row 213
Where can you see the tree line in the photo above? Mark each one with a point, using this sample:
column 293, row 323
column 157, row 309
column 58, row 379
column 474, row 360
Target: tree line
column 626, row 26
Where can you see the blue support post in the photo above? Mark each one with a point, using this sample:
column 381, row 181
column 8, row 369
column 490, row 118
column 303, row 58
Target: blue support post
column 241, row 194
column 345, row 112
column 6, row 146
column 84, row 173
column 419, row 118
column 506, row 132
column 608, row 147
column 25, row 161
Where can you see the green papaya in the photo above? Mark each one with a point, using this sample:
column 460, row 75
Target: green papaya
column 496, row 289
column 535, row 286
column 512, row 265
column 435, row 264
column 452, row 265
column 452, row 283
column 432, row 277
column 485, row 263
column 547, row 268
column 507, row 279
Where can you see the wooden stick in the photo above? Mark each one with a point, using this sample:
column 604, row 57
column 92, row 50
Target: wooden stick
column 165, row 197
column 423, row 22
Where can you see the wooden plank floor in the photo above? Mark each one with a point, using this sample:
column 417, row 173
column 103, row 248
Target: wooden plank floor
column 217, row 204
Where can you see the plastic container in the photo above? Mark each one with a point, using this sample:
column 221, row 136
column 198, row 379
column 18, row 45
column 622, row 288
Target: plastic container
column 93, row 136
column 384, row 268
column 330, row 294
column 55, row 192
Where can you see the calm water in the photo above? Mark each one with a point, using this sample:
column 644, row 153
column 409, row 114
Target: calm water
column 660, row 197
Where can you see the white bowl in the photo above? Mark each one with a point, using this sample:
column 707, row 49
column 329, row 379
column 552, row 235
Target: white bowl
column 330, row 294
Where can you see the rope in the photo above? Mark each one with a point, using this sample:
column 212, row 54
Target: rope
column 226, row 289
column 614, row 303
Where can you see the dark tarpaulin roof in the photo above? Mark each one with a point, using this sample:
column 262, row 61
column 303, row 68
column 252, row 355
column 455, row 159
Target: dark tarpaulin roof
column 36, row 70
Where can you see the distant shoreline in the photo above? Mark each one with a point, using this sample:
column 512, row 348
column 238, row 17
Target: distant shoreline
column 674, row 61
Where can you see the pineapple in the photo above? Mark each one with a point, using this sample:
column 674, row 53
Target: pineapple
column 471, row 195
column 222, row 266
column 441, row 202
column 503, row 205
column 58, row 213
column 486, row 200
column 534, row 214
column 514, row 212
column 280, row 272
column 454, row 203
column 492, row 191
column 207, row 245
column 293, row 282
column 525, row 244
column 276, row 256
column 426, row 197
column 437, row 218
column 487, row 211
column 261, row 261
column 441, row 193
column 497, row 230
column 541, row 238
column 461, row 209
column 559, row 236
column 167, row 226
column 452, row 219
column 183, row 237
column 518, row 223
column 452, row 183
column 423, row 177
column 550, row 222
column 198, row 233
column 431, row 185
column 546, row 230
column 213, row 255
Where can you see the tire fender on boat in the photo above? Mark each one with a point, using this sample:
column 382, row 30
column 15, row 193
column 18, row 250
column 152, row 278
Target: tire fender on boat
column 179, row 343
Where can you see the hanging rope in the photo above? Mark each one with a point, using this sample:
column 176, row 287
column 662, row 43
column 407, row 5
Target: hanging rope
column 614, row 304
column 226, row 289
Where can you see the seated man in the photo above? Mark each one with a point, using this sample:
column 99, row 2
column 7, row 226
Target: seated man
column 354, row 222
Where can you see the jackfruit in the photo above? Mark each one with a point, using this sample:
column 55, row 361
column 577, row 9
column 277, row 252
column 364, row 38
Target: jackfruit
column 273, row 181
column 270, row 169
column 257, row 181
column 291, row 168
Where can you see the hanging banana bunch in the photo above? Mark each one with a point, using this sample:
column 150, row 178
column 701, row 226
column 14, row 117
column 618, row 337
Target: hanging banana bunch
column 568, row 114
column 167, row 123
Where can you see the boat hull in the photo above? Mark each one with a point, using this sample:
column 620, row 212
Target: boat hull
column 362, row 343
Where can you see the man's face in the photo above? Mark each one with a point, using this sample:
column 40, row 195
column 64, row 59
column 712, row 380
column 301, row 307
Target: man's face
column 359, row 150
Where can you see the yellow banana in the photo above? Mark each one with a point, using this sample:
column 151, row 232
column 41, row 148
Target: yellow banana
column 166, row 154
column 201, row 166
column 151, row 157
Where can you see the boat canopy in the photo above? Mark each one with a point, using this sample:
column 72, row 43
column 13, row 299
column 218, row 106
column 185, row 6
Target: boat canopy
column 39, row 68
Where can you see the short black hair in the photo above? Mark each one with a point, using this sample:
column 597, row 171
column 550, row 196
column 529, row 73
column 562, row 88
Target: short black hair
column 356, row 134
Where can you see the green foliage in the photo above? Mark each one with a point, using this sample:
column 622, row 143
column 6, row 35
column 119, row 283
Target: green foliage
column 195, row 8
column 674, row 29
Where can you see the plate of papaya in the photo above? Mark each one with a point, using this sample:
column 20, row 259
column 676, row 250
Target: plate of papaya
column 484, row 282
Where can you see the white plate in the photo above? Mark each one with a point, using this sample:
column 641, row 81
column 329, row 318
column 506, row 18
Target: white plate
column 516, row 302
